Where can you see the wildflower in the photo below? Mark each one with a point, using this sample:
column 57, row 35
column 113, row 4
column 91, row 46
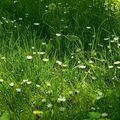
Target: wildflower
column 20, row 18
column 18, row 90
column 49, row 105
column 62, row 20
column 43, row 43
column 29, row 82
column 59, row 62
column 116, row 38
column 118, row 67
column 46, row 6
column 49, row 92
column 77, row 91
column 43, row 100
column 112, row 41
column 106, row 39
column 36, row 24
column 65, row 27
column 100, row 45
column 104, row 114
column 59, row 3
column 25, row 81
column 108, row 46
column 62, row 109
column 41, row 53
column 117, row 63
column 70, row 92
column 11, row 84
column 37, row 113
column 118, row 45
column 37, row 86
column 92, row 108
column 61, row 99
column 100, row 93
column 94, row 78
column 1, row 80
column 99, row 96
column 78, row 50
column 34, row 53
column 2, row 58
column 45, row 60
column 91, row 62
column 58, row 34
column 81, row 66
column 15, row 1
column 33, row 47
column 110, row 67
column 64, row 65
column 88, row 27
column 29, row 57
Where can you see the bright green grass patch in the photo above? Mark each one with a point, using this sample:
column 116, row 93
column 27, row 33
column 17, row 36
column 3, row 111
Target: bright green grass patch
column 35, row 85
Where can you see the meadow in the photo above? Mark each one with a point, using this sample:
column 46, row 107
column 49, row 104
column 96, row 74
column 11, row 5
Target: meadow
column 59, row 60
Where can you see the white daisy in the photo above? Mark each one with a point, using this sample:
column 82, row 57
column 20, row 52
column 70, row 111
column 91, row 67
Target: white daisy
column 11, row 84
column 18, row 90
column 1, row 80
column 45, row 59
column 29, row 57
column 59, row 62
column 58, row 34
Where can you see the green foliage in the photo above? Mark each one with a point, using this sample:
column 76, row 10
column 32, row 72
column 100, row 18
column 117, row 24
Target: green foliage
column 5, row 116
column 94, row 115
column 59, row 60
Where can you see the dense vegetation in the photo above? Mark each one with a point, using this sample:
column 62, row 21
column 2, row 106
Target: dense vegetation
column 59, row 60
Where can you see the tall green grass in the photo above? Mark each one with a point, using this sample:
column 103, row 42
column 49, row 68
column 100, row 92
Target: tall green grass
column 59, row 60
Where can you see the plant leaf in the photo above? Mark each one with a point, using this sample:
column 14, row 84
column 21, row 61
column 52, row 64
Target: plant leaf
column 94, row 115
column 5, row 116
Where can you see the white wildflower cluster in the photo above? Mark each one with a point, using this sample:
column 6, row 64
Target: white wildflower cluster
column 49, row 92
column 99, row 95
column 49, row 105
column 61, row 64
column 11, row 84
column 61, row 99
column 43, row 43
column 36, row 24
column 29, row 57
column 104, row 114
column 88, row 27
column 40, row 53
column 110, row 67
column 81, row 66
column 1, row 80
column 58, row 34
column 117, row 63
column 43, row 100
column 45, row 60
column 3, row 58
column 18, row 90
column 38, row 86
column 26, row 82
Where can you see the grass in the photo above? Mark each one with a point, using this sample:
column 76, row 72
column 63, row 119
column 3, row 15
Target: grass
column 56, row 66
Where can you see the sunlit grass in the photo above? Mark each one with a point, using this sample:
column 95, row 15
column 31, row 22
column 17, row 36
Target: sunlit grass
column 59, row 60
